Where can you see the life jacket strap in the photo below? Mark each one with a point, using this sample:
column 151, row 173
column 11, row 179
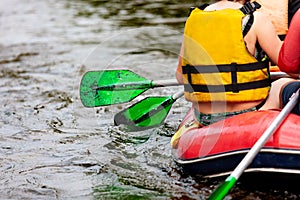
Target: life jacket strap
column 235, row 88
column 250, row 7
column 189, row 69
column 233, row 68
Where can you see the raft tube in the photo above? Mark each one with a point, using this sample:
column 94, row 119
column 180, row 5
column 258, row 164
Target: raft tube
column 216, row 150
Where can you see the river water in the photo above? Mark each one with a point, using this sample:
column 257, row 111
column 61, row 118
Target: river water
column 51, row 146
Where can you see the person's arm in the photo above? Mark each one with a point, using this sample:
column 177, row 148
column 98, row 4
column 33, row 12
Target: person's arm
column 267, row 36
column 289, row 55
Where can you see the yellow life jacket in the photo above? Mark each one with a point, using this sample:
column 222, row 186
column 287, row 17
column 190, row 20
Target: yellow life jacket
column 216, row 64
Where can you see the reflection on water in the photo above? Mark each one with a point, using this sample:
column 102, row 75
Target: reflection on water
column 51, row 147
column 142, row 13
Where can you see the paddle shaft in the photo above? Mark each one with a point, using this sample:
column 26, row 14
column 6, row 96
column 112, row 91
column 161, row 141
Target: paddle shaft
column 277, row 75
column 138, row 85
column 221, row 191
column 177, row 95
column 160, row 83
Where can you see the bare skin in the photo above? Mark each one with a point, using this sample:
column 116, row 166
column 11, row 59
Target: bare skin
column 262, row 31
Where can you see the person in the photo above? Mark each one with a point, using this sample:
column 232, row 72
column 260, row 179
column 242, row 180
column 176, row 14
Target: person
column 289, row 59
column 221, row 66
column 289, row 55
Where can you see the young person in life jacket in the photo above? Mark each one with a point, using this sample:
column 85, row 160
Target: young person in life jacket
column 221, row 65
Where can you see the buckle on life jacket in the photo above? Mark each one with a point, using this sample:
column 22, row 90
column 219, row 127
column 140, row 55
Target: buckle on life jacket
column 250, row 7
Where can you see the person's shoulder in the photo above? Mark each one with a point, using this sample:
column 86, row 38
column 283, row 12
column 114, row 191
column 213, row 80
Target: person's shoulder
column 262, row 24
column 222, row 6
column 259, row 14
column 260, row 17
column 211, row 7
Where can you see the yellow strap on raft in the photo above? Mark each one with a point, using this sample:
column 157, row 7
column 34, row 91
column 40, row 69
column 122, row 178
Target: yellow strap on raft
column 183, row 129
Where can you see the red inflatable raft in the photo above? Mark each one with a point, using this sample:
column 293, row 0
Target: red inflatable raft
column 217, row 149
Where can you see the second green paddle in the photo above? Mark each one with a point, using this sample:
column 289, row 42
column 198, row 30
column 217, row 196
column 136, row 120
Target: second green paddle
column 147, row 113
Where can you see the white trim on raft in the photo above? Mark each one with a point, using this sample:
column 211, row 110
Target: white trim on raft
column 259, row 170
column 264, row 150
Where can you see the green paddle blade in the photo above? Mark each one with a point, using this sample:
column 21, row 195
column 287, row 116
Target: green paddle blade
column 223, row 189
column 147, row 113
column 101, row 88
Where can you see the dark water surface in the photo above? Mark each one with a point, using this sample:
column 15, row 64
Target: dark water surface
column 51, row 147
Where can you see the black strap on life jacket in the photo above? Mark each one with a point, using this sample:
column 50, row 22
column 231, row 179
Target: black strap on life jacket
column 233, row 68
column 248, row 9
column 226, row 88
